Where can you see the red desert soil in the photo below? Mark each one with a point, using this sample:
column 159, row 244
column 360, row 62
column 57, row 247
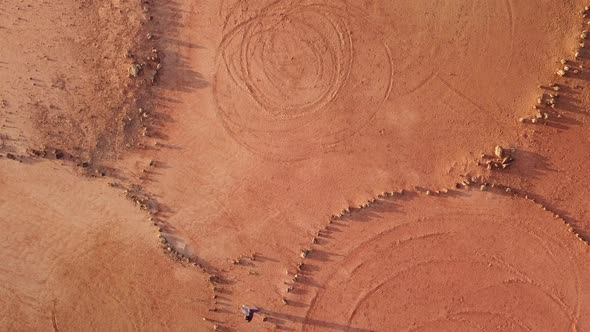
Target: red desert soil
column 268, row 125
column 471, row 261
column 77, row 256
column 312, row 107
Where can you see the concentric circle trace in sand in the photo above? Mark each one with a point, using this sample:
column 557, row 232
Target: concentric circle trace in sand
column 286, row 78
column 471, row 266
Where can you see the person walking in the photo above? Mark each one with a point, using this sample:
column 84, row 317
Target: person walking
column 248, row 312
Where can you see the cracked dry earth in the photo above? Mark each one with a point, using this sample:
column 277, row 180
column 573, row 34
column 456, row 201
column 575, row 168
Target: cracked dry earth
column 324, row 161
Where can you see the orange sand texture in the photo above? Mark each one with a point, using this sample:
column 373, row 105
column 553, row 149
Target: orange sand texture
column 342, row 165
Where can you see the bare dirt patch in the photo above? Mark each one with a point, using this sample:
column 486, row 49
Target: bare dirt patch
column 469, row 261
column 65, row 81
column 280, row 155
column 298, row 156
column 77, row 256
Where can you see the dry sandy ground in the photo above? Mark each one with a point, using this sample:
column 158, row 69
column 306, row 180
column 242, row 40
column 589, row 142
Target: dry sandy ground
column 471, row 261
column 62, row 74
column 77, row 256
column 270, row 128
column 429, row 119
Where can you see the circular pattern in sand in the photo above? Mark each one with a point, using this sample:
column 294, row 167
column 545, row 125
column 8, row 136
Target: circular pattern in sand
column 457, row 267
column 299, row 77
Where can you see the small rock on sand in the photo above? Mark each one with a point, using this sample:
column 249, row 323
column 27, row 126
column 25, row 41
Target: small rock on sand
column 134, row 70
column 499, row 151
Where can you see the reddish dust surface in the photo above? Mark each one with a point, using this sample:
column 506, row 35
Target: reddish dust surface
column 314, row 106
column 77, row 256
column 470, row 261
column 63, row 76
column 266, row 126
column 454, row 261
column 554, row 160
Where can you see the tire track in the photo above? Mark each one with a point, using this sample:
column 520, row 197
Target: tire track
column 569, row 308
column 306, row 110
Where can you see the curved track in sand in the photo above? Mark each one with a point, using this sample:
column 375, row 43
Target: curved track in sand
column 251, row 148
column 297, row 78
column 471, row 261
column 270, row 116
column 285, row 76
